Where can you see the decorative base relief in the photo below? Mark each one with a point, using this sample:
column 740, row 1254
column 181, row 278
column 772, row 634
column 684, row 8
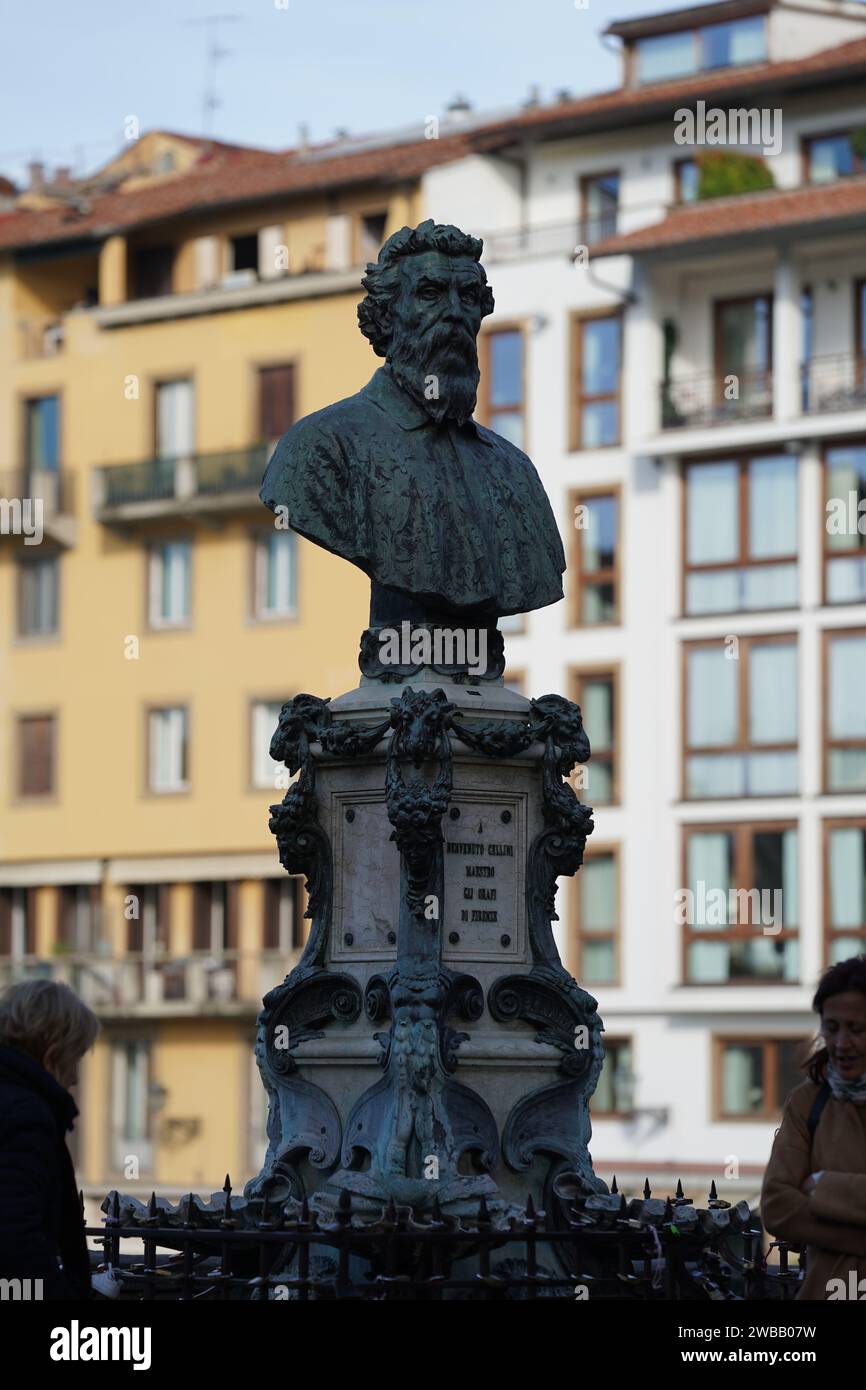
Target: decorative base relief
column 427, row 898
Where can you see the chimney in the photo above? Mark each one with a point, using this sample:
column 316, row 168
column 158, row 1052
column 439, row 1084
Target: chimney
column 63, row 176
column 458, row 108
column 36, row 173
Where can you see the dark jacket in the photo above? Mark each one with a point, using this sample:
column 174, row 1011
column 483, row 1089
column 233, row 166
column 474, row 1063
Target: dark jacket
column 41, row 1225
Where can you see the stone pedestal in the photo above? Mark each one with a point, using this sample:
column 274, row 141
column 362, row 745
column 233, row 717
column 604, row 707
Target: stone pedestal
column 429, row 1047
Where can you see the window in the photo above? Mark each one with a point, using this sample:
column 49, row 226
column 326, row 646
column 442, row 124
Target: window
column 741, row 717
column 38, row 585
column 845, row 524
column 265, row 771
column 132, row 1079
column 660, row 57
column 17, row 923
column 78, row 917
column 755, row 1075
column 807, row 318
column 687, row 178
column 600, row 203
column 845, row 711
column 244, row 252
column 36, row 737
column 42, row 434
column 844, row 889
column 283, row 924
column 596, row 564
column 741, row 542
column 596, row 422
column 168, row 749
column 276, row 400
column 744, row 355
column 614, row 1094
column 740, row 911
column 170, row 569
column 502, row 383
column 215, row 916
column 597, row 694
column 152, row 271
column 832, row 156
column 274, row 590
column 175, row 419
column 147, row 912
column 371, row 234
column 597, row 894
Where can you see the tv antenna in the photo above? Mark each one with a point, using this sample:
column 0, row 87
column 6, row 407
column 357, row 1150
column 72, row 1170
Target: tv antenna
column 214, row 55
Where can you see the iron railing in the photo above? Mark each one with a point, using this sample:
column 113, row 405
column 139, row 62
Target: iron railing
column 203, row 982
column 705, row 399
column 205, row 475
column 603, row 1247
column 834, row 382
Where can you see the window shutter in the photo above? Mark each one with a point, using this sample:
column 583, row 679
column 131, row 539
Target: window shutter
column 299, row 904
column 66, row 917
column 271, row 915
column 30, row 922
column 207, row 268
column 232, row 900
column 36, row 737
column 5, row 921
column 135, row 925
column 276, row 400
column 201, row 899
column 163, row 914
column 270, row 240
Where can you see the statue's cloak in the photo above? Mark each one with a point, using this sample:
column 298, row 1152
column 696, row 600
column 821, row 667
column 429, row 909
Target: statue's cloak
column 454, row 515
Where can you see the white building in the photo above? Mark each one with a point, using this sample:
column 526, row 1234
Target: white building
column 693, row 381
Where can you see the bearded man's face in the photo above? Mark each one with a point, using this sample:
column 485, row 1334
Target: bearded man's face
column 436, row 317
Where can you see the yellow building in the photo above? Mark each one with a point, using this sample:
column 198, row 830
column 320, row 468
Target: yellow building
column 160, row 326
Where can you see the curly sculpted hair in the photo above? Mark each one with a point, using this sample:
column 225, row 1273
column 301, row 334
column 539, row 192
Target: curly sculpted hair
column 383, row 277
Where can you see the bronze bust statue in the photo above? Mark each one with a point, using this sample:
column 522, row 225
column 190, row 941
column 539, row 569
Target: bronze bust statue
column 449, row 520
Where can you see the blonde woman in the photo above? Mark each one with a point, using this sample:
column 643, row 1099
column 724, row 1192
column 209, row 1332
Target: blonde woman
column 45, row 1030
column 814, row 1190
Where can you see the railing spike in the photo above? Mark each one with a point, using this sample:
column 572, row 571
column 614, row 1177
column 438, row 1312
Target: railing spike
column 680, row 1193
column 613, row 1187
column 115, row 1205
column 305, row 1209
column 647, row 1190
column 530, row 1208
column 151, row 1206
column 714, row 1196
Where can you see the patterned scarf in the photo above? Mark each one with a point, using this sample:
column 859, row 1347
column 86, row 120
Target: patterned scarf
column 846, row 1090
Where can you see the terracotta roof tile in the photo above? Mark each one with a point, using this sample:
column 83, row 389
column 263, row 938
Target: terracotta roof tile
column 768, row 211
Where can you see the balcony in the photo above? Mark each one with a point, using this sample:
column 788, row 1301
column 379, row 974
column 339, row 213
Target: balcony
column 704, row 400
column 36, row 504
column 197, row 484
column 833, row 383
column 150, row 985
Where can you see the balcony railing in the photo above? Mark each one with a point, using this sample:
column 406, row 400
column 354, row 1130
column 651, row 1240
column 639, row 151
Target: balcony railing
column 548, row 238
column 705, row 399
column 191, row 482
column 202, row 982
column 835, row 382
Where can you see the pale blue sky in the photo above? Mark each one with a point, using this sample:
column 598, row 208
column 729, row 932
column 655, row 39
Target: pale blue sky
column 74, row 69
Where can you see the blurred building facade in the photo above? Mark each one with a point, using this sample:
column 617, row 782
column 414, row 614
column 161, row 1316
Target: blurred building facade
column 683, row 355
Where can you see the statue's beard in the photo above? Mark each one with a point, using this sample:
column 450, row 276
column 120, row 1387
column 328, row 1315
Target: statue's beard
column 440, row 373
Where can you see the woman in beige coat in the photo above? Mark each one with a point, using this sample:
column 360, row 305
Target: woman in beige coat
column 814, row 1190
